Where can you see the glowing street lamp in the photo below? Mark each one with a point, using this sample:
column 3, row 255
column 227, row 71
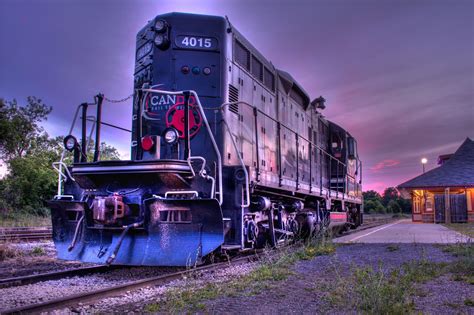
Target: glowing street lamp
column 423, row 162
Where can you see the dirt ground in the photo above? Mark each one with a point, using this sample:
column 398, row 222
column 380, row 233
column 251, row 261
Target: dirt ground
column 356, row 278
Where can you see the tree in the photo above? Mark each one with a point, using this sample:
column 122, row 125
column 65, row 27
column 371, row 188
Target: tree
column 29, row 153
column 371, row 195
column 405, row 205
column 107, row 152
column 373, row 206
column 31, row 180
column 394, row 207
column 373, row 202
column 20, row 131
column 390, row 193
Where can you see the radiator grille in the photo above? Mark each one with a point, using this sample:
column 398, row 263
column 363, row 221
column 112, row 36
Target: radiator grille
column 233, row 97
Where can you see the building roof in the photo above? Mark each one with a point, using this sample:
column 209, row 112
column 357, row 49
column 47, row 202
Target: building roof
column 458, row 171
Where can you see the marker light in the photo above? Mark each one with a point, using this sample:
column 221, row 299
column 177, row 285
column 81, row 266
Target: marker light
column 196, row 70
column 171, row 136
column 147, row 143
column 185, row 69
column 70, row 143
column 160, row 25
column 206, row 71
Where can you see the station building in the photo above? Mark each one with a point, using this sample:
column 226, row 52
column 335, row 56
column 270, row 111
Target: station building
column 445, row 194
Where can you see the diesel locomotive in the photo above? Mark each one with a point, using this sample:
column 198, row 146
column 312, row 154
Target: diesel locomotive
column 228, row 153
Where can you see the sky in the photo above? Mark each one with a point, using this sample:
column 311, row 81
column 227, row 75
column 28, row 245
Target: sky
column 398, row 75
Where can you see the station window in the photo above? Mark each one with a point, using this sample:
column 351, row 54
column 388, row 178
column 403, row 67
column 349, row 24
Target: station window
column 242, row 55
column 269, row 79
column 257, row 69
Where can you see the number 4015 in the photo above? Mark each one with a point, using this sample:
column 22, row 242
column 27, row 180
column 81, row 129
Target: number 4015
column 196, row 42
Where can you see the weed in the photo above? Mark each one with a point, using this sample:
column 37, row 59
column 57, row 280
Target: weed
column 177, row 299
column 38, row 251
column 272, row 268
column 452, row 305
column 6, row 252
column 422, row 270
column 393, row 247
column 463, row 267
column 311, row 250
column 378, row 291
column 469, row 302
column 463, row 228
column 23, row 220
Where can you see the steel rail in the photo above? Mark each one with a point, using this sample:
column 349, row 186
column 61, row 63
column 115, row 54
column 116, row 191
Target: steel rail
column 23, row 280
column 72, row 300
column 24, row 234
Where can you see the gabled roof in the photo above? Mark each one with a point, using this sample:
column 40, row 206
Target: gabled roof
column 458, row 171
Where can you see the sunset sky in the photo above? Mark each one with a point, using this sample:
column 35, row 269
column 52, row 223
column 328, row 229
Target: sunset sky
column 399, row 75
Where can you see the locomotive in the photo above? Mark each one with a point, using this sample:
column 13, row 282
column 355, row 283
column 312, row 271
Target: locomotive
column 228, row 153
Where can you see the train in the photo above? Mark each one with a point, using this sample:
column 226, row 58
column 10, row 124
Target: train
column 228, row 154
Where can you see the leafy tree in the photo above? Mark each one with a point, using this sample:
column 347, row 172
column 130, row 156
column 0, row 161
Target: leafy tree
column 394, row 207
column 373, row 202
column 30, row 181
column 390, row 193
column 29, row 153
column 405, row 205
column 373, row 206
column 20, row 132
column 107, row 152
column 371, row 195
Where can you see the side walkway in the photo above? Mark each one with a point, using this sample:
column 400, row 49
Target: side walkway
column 405, row 231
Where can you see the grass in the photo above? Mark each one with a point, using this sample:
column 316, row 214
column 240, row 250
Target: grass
column 7, row 252
column 378, row 291
column 463, row 228
column 38, row 251
column 24, row 220
column 463, row 268
column 272, row 268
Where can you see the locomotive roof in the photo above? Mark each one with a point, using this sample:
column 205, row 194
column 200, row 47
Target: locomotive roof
column 288, row 81
column 458, row 171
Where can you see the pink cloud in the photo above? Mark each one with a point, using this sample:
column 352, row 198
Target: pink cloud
column 377, row 186
column 384, row 164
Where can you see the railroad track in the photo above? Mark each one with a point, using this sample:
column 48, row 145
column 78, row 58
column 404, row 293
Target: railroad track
column 24, row 280
column 94, row 295
column 98, row 294
column 25, row 234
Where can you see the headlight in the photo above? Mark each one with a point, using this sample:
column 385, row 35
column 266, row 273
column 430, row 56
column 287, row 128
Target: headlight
column 171, row 136
column 70, row 143
column 160, row 25
column 159, row 39
column 162, row 41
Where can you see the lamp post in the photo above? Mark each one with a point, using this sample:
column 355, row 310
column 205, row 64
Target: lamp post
column 423, row 162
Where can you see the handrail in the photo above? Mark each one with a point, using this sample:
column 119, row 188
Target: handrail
column 202, row 172
column 239, row 155
column 60, row 162
column 283, row 125
column 312, row 144
column 206, row 123
column 59, row 170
